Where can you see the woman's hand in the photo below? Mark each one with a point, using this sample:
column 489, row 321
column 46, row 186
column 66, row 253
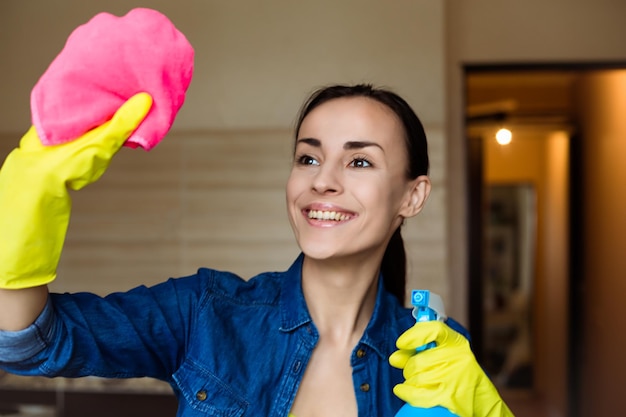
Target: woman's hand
column 34, row 200
column 446, row 375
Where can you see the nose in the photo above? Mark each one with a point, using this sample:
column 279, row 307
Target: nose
column 327, row 180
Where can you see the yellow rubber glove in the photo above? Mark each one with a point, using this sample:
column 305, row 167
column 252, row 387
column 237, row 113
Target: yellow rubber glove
column 34, row 199
column 447, row 375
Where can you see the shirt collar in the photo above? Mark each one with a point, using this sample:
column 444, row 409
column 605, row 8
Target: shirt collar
column 293, row 307
column 381, row 332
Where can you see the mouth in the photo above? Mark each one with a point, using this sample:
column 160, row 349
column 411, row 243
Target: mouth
column 328, row 215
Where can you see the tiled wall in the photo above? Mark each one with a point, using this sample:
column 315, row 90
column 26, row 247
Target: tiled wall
column 198, row 199
column 211, row 199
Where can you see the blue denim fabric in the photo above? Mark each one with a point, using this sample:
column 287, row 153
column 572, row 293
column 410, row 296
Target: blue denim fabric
column 228, row 347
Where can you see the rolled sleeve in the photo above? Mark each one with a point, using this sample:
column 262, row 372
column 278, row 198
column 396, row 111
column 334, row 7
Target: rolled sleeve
column 24, row 344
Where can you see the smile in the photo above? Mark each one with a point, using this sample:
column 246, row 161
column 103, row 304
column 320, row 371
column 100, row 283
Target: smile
column 328, row 215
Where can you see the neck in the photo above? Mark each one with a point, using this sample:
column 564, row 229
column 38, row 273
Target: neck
column 340, row 296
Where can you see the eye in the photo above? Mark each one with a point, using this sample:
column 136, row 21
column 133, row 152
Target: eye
column 306, row 160
column 360, row 162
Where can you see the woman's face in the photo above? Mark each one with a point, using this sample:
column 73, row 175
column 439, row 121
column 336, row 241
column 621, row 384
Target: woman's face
column 348, row 190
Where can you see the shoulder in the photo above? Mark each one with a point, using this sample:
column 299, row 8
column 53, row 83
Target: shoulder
column 264, row 288
column 206, row 285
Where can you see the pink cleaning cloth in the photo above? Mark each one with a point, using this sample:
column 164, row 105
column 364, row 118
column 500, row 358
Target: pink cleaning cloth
column 105, row 62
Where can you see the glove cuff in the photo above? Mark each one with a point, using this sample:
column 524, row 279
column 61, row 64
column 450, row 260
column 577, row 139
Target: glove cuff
column 34, row 216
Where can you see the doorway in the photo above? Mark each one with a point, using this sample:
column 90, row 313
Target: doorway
column 526, row 252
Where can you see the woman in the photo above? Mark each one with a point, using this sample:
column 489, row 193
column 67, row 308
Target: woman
column 312, row 341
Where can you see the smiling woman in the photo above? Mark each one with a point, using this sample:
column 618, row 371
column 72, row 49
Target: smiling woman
column 372, row 118
column 350, row 159
column 277, row 343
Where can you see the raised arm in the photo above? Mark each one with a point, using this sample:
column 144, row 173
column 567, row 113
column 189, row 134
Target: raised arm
column 35, row 206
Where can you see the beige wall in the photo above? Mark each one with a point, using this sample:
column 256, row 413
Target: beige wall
column 255, row 61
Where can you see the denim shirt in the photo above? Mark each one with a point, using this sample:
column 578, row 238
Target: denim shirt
column 227, row 346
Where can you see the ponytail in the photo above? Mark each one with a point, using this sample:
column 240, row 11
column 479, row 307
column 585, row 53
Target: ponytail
column 393, row 267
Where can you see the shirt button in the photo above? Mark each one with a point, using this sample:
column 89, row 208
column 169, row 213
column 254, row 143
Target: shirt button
column 201, row 395
column 365, row 387
column 360, row 353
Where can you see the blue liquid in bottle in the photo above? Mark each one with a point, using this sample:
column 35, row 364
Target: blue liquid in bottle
column 425, row 308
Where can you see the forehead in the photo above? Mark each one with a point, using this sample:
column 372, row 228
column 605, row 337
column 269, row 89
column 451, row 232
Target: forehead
column 352, row 116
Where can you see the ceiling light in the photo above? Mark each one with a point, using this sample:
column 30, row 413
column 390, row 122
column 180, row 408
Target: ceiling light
column 504, row 136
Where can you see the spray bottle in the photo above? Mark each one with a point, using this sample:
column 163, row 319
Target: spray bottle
column 427, row 306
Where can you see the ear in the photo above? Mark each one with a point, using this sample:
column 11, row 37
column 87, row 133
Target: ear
column 417, row 194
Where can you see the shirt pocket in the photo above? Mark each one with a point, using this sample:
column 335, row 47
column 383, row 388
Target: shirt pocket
column 205, row 393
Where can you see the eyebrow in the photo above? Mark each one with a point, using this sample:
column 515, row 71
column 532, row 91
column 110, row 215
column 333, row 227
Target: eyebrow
column 353, row 144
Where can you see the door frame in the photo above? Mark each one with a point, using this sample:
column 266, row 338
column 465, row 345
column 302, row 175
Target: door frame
column 475, row 211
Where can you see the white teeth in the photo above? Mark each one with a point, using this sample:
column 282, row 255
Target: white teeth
column 327, row 215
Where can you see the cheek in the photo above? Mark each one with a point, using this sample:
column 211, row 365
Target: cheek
column 292, row 188
column 372, row 193
column 386, row 194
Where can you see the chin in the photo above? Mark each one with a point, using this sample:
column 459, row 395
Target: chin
column 329, row 250
column 318, row 251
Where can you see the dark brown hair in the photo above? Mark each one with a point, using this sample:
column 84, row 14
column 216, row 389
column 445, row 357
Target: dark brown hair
column 393, row 265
